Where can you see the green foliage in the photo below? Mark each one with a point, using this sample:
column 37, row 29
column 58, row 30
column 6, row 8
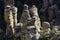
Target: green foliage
column 1, row 30
column 24, row 23
column 1, row 34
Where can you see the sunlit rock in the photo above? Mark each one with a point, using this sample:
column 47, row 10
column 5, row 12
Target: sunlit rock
column 25, row 15
column 34, row 12
column 9, row 18
column 37, row 23
column 46, row 27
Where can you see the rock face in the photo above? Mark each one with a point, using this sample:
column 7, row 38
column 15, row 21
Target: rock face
column 14, row 12
column 30, row 22
column 37, row 22
column 9, row 18
column 46, row 25
column 34, row 12
column 25, row 15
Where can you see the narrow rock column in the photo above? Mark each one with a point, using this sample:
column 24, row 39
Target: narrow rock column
column 24, row 20
column 34, row 12
column 25, row 15
column 9, row 18
column 12, row 21
column 14, row 10
column 37, row 24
